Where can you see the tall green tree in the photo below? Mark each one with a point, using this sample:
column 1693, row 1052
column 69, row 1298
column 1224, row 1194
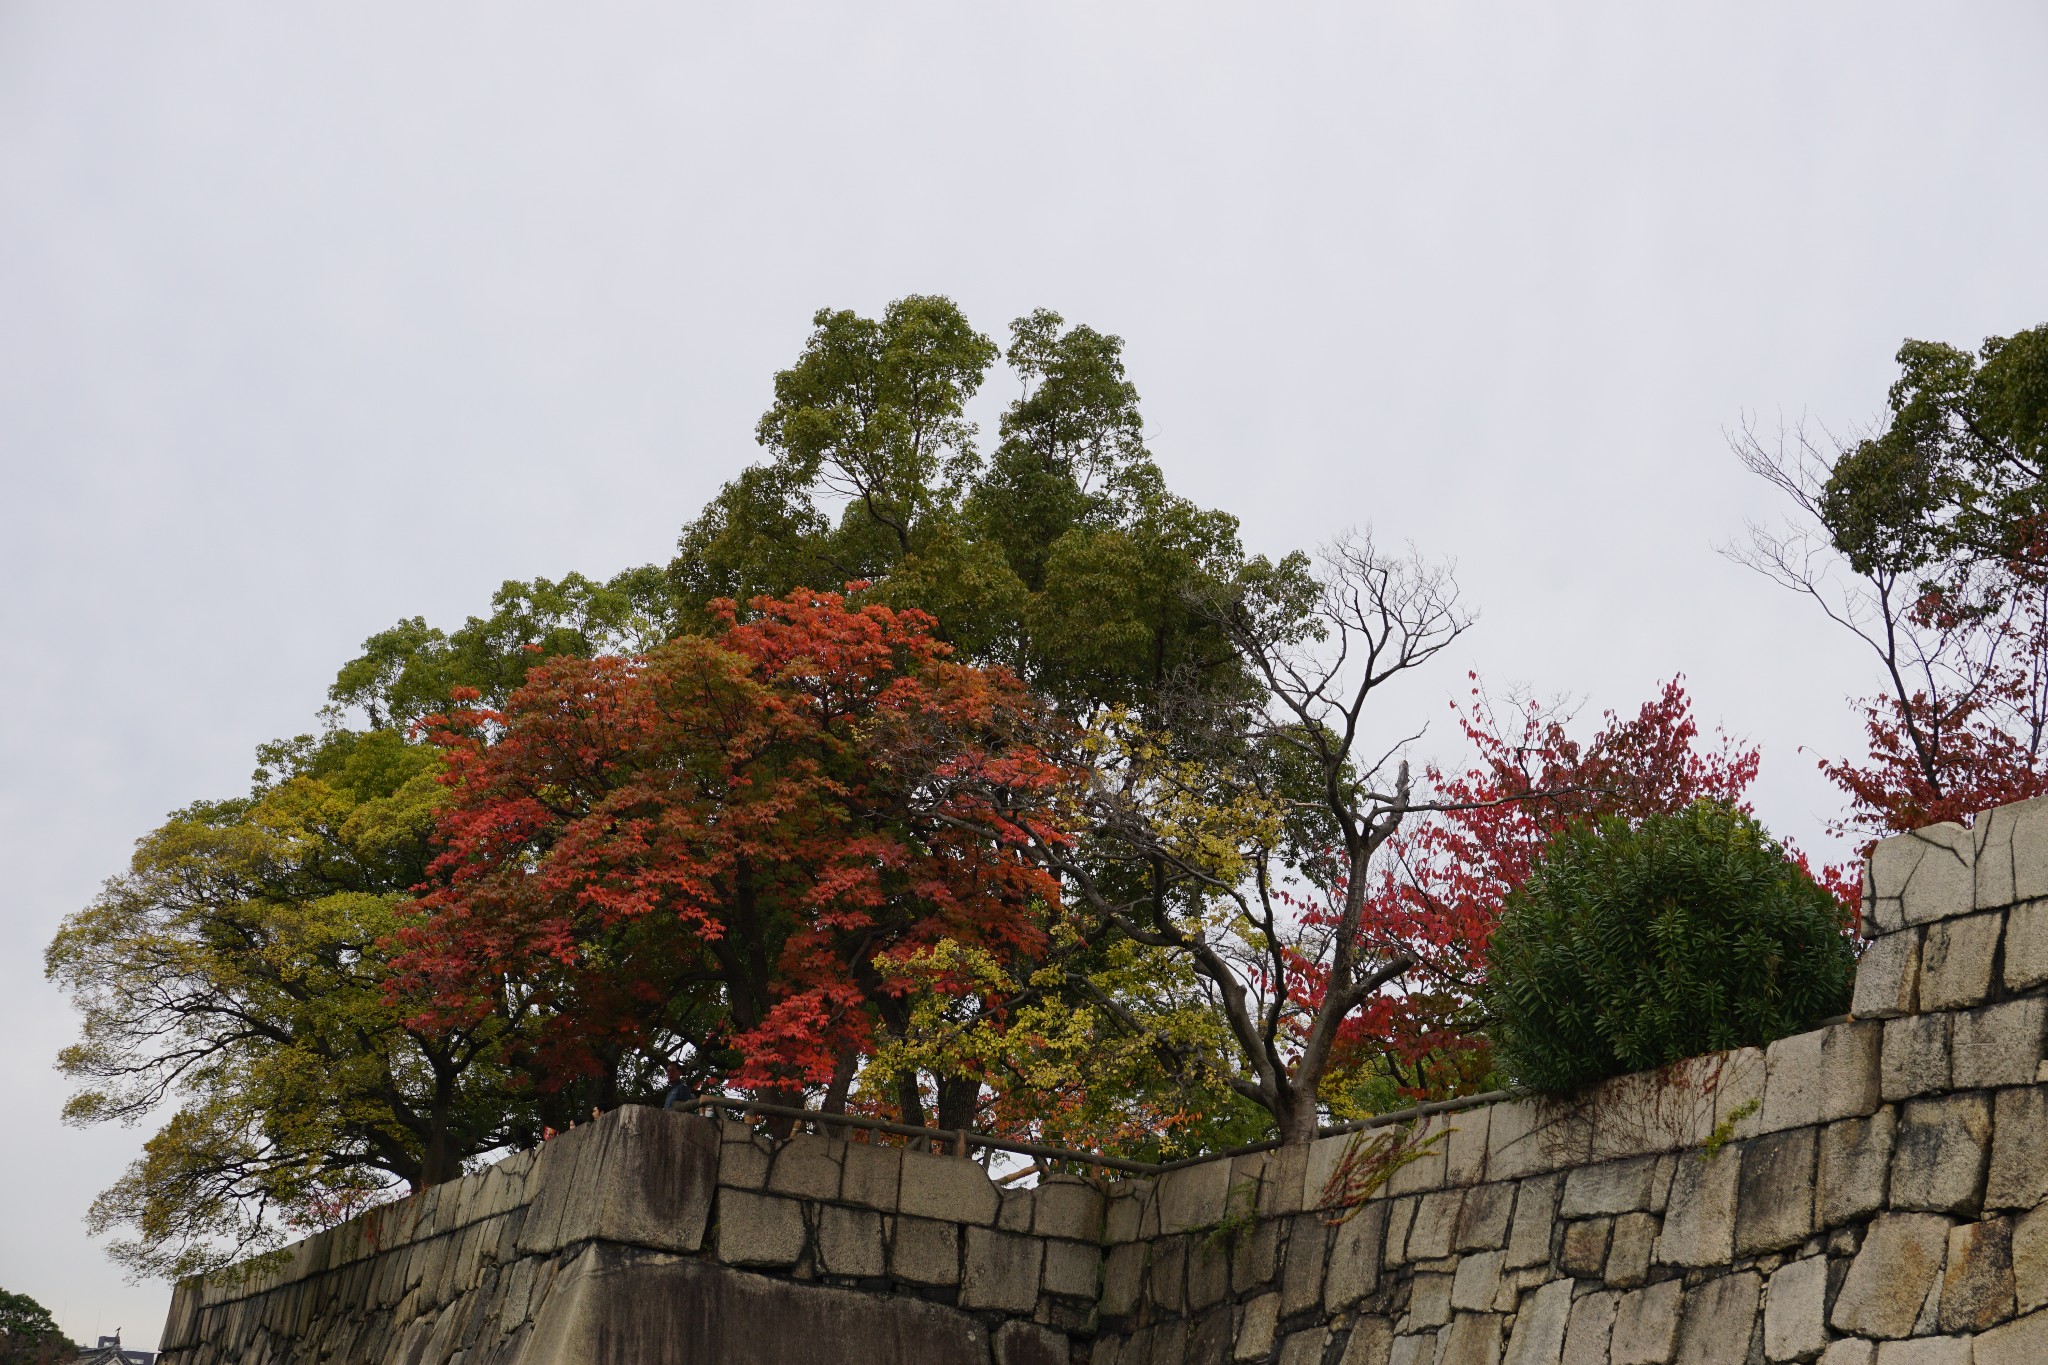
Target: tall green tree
column 238, row 971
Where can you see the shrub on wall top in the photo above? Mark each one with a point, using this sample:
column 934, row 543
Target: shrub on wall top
column 1633, row 946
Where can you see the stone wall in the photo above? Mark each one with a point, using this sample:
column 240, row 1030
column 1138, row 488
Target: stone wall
column 1868, row 1193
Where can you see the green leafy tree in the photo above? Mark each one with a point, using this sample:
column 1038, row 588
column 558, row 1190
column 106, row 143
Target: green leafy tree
column 238, row 970
column 28, row 1334
column 1633, row 945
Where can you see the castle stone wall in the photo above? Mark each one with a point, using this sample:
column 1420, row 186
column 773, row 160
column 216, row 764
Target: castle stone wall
column 1872, row 1192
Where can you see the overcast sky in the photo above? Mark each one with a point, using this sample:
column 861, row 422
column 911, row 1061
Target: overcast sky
column 317, row 316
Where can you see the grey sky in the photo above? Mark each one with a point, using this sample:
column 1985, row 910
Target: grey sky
column 314, row 316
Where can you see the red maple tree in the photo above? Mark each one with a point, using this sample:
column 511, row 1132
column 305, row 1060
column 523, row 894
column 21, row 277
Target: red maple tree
column 1445, row 878
column 706, row 854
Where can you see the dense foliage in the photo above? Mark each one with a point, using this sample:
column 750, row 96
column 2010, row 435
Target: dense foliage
column 28, row 1334
column 1634, row 945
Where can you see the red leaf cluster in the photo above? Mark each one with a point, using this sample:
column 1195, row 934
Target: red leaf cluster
column 718, row 844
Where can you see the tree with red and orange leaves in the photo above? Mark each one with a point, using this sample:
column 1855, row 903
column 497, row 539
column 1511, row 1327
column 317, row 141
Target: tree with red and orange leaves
column 709, row 853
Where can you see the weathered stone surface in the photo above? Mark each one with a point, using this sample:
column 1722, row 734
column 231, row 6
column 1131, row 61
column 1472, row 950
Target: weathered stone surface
column 1648, row 1112
column 1415, row 1350
column 1738, row 1084
column 1283, row 1181
column 806, row 1168
column 1301, row 1282
column 1065, row 1206
column 2012, row 853
column 924, row 1251
column 638, row 1175
column 1208, row 1273
column 1193, row 1197
column 1939, row 1157
column 1925, row 1351
column 1436, row 1221
column 1465, row 1149
column 1168, row 1277
column 1538, row 1335
column 1587, row 1333
column 1535, row 1215
column 2026, row 946
column 759, row 1229
column 1610, row 1187
column 1026, row 1343
column 2018, row 1177
column 1124, row 1214
column 742, row 1157
column 1855, row 1168
column 1429, row 1302
column 1584, row 1252
column 1483, row 1217
column 1849, row 1351
column 1473, row 1339
column 1699, row 1224
column 1426, row 1171
column 1775, row 1203
column 1354, row 1265
column 1850, row 1070
column 1888, row 976
column 1073, row 1269
column 2030, row 1259
column 1719, row 1319
column 1371, row 1342
column 615, row 1303
column 948, row 1187
column 1256, row 1257
column 1476, row 1282
column 1998, row 1045
column 1956, row 961
column 850, row 1242
column 1977, row 1285
column 1795, row 1310
column 1001, row 1271
column 1646, row 1325
column 1305, row 1347
column 1915, row 1058
column 1630, row 1250
column 1255, row 1334
column 2016, row 1343
column 1792, row 1083
column 1888, row 1282
column 869, row 1175
column 1929, row 872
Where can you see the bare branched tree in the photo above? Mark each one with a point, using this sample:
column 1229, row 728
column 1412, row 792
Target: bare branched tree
column 1253, row 856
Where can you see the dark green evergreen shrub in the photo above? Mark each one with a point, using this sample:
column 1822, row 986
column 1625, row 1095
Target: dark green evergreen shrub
column 1629, row 947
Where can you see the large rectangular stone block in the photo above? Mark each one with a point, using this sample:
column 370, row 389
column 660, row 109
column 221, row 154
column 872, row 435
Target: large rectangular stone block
column 1916, row 1058
column 1923, row 876
column 947, row 1187
column 1957, row 959
column 1776, row 1187
column 1850, row 1070
column 1354, row 1267
column 1068, row 1206
column 1940, row 1154
column 870, row 1175
column 1001, row 1271
column 1793, row 1082
column 1610, row 1187
column 926, row 1251
column 1977, row 1283
column 1539, row 1331
column 1630, row 1252
column 1535, row 1217
column 1899, row 1262
column 850, row 1242
column 1888, row 976
column 1436, row 1224
column 1646, row 1325
column 1795, row 1310
column 1720, row 1320
column 2012, row 853
column 2026, row 945
column 1465, row 1148
column 2018, row 1177
column 1476, row 1282
column 759, row 1229
column 1483, row 1217
column 1699, row 1224
column 807, row 1167
column 639, row 1175
column 2016, row 1343
column 2030, row 1259
column 1193, row 1197
column 1590, row 1329
column 1855, row 1168
column 1738, row 1083
column 1998, row 1044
